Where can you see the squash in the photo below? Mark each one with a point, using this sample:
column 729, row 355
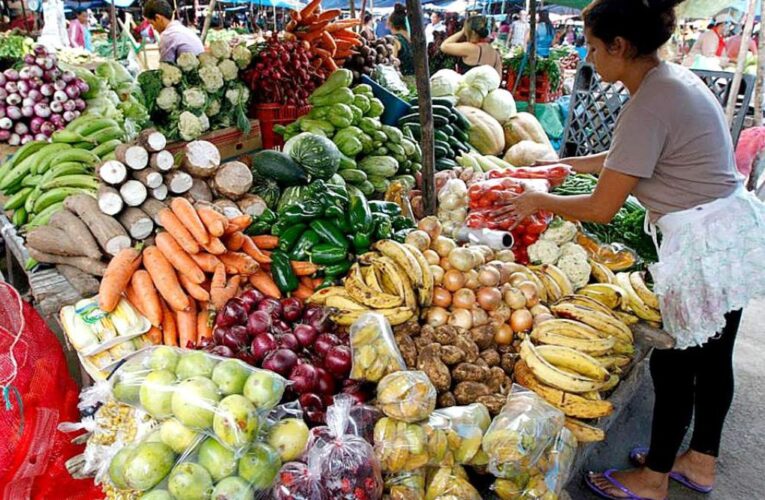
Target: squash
column 526, row 153
column 267, row 189
column 524, row 127
column 318, row 156
column 485, row 132
column 279, row 167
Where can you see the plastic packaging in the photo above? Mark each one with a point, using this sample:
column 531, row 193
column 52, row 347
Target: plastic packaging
column 402, row 447
column 406, row 485
column 496, row 240
column 406, row 395
column 299, row 481
column 451, row 482
column 463, row 427
column 100, row 365
column 452, row 206
column 519, row 435
column 375, row 353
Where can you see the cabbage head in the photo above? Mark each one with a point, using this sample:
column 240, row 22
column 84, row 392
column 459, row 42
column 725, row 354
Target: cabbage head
column 500, row 105
column 470, row 96
column 484, row 78
column 444, row 83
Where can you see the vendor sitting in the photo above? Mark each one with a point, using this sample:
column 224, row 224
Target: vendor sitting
column 175, row 38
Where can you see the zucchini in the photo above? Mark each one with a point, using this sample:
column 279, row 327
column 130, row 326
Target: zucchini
column 460, row 135
column 457, row 145
column 441, row 136
column 440, row 151
column 445, row 164
column 354, row 176
column 278, row 166
column 414, row 129
column 437, row 110
column 443, row 101
column 462, row 122
column 438, row 120
column 447, row 129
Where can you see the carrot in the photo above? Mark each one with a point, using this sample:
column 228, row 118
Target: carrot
column 265, row 241
column 187, row 326
column 339, row 25
column 204, row 328
column 179, row 259
column 324, row 54
column 238, row 223
column 340, row 55
column 308, row 21
column 265, row 283
column 235, row 241
column 346, row 34
column 239, row 263
column 174, row 226
column 256, row 253
column 116, row 277
column 215, row 247
column 205, row 261
column 291, row 26
column 344, row 44
column 302, row 292
column 213, row 221
column 329, row 63
column 164, row 278
column 310, row 8
column 134, row 300
column 169, row 329
column 329, row 43
column 154, row 335
column 147, row 295
column 194, row 289
column 306, row 281
column 309, row 36
column 232, row 289
column 217, row 287
column 186, row 213
column 295, row 15
column 329, row 15
column 304, row 268
column 317, row 282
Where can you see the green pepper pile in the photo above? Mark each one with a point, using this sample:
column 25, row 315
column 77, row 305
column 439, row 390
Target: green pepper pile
column 326, row 223
column 373, row 154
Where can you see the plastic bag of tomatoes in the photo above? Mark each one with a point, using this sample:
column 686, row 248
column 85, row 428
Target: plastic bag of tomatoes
column 554, row 174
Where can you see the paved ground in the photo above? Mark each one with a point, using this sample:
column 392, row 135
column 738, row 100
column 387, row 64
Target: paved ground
column 741, row 472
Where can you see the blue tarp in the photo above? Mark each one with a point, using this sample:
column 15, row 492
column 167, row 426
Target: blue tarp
column 283, row 4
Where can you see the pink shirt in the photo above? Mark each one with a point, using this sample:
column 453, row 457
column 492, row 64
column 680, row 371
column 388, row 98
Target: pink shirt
column 76, row 33
column 177, row 39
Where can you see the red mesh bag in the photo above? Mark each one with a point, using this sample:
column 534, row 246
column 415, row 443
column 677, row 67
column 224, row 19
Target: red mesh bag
column 38, row 394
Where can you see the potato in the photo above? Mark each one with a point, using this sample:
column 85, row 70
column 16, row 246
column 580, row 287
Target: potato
column 408, row 349
column 493, row 402
column 445, row 335
column 483, row 336
column 471, row 372
column 446, row 400
column 469, row 392
column 498, row 381
column 429, row 361
column 451, row 355
column 491, row 356
column 468, row 347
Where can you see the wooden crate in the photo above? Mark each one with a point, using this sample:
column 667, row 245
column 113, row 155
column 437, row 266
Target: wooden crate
column 231, row 142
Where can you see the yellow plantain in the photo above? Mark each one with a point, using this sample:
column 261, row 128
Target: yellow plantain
column 393, row 276
column 589, row 302
column 628, row 319
column 567, row 327
column 553, row 376
column 611, row 383
column 579, row 362
column 613, row 361
column 602, row 273
column 425, row 292
column 402, row 257
column 622, row 348
column 609, row 295
column 584, row 433
column 634, row 302
column 395, row 315
column 549, row 285
column 360, row 292
column 345, row 303
column 566, row 288
column 642, row 290
column 320, row 297
column 371, row 279
column 594, row 347
column 607, row 324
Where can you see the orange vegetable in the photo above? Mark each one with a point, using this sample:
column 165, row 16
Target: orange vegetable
column 187, row 326
column 205, row 261
column 239, row 263
column 194, row 289
column 289, row 37
column 265, row 241
column 309, row 36
column 324, row 54
column 302, row 268
column 235, row 241
column 317, row 282
column 346, row 34
column 132, row 297
column 329, row 63
column 148, row 297
column 308, row 21
column 213, row 221
column 306, row 281
column 174, row 226
column 179, row 259
column 204, row 327
column 329, row 15
column 215, row 247
column 310, row 8
column 256, row 253
column 116, row 278
column 164, row 278
column 238, row 223
column 217, row 286
column 339, row 25
column 291, row 26
column 265, row 283
column 188, row 216
column 302, row 292
column 154, row 335
column 295, row 15
column 329, row 43
column 169, row 329
column 341, row 54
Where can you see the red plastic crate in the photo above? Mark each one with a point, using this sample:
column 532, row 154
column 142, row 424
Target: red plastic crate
column 543, row 93
column 276, row 114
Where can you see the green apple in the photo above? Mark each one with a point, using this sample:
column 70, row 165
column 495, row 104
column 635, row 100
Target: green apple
column 260, row 465
column 219, row 461
column 264, row 389
column 194, row 402
column 195, row 364
column 289, row 437
column 148, row 465
column 157, row 392
column 230, row 376
column 190, row 481
column 236, row 421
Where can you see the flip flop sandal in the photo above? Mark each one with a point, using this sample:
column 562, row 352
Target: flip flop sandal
column 601, row 492
column 640, row 452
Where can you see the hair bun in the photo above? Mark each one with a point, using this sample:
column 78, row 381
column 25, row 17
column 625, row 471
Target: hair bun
column 661, row 5
column 399, row 8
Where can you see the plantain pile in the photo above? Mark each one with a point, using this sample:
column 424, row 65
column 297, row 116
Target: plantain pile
column 394, row 280
column 555, row 282
column 625, row 293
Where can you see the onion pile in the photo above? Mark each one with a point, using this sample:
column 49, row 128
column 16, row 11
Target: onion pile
column 38, row 99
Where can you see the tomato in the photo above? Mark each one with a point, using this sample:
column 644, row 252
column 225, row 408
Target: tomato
column 536, row 227
column 529, row 239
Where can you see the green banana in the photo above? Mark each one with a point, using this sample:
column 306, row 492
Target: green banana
column 87, row 146
column 30, row 180
column 30, row 201
column 18, row 199
column 43, row 217
column 29, row 165
column 74, row 154
column 77, row 180
column 23, row 153
column 54, row 196
column 105, row 148
column 66, row 168
column 93, row 126
column 106, row 135
column 68, row 137
column 19, row 217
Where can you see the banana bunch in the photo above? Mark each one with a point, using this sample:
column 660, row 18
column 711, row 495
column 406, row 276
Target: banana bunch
column 40, row 176
column 635, row 300
column 555, row 282
column 394, row 280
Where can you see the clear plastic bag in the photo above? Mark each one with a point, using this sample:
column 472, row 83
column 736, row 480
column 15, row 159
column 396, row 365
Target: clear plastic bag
column 518, row 437
column 299, row 481
column 546, row 479
column 375, row 353
column 401, row 446
column 406, row 485
column 450, row 482
column 463, row 428
column 407, row 395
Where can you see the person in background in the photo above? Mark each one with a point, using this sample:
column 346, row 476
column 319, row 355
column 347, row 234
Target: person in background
column 472, row 45
column 436, row 24
column 382, row 27
column 567, row 35
column 144, row 32
column 402, row 47
column 368, row 31
column 104, row 21
column 175, row 38
column 733, row 46
column 79, row 33
column 519, row 31
column 545, row 34
column 504, row 30
column 711, row 43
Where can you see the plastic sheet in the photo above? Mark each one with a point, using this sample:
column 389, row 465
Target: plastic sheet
column 375, row 353
column 406, row 395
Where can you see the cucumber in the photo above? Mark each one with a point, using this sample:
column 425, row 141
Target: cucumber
column 457, row 145
column 441, row 136
column 415, row 130
column 440, row 151
column 460, row 135
column 437, row 110
column 447, row 129
column 354, row 176
column 443, row 101
column 462, row 122
column 438, row 120
column 445, row 164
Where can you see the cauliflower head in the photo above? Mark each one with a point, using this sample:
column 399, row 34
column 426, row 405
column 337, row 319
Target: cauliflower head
column 213, row 108
column 205, row 122
column 194, row 98
column 187, row 61
column 171, row 75
column 207, row 59
column 189, row 126
column 238, row 95
column 168, row 98
column 543, row 252
column 242, row 56
column 572, row 248
column 228, row 69
column 576, row 268
column 211, row 77
column 220, row 49
column 560, row 231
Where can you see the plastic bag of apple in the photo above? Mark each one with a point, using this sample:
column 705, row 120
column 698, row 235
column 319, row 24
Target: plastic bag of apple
column 296, row 341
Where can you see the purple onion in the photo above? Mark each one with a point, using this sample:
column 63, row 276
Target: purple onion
column 70, row 105
column 5, row 135
column 35, row 72
column 77, row 114
column 12, row 87
column 35, row 124
column 42, row 110
column 6, row 123
column 69, row 116
column 35, row 95
column 27, row 138
column 27, row 101
column 11, row 74
column 14, row 140
column 21, row 128
column 84, row 87
column 24, row 73
column 58, row 121
column 47, row 128
column 73, row 91
column 2, row 111
column 13, row 99
column 80, row 104
column 23, row 88
column 44, row 62
column 56, row 107
column 27, row 111
column 68, row 76
column 34, row 83
column 3, row 93
column 47, row 89
column 60, row 96
column 59, row 85
column 29, row 59
column 41, row 137
column 13, row 112
column 40, row 50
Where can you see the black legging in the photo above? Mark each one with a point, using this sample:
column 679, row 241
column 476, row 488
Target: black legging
column 697, row 377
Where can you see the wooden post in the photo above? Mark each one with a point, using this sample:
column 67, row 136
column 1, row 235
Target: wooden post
column 352, row 7
column 208, row 19
column 738, row 76
column 361, row 15
column 113, row 27
column 422, row 74
column 760, row 79
column 532, row 54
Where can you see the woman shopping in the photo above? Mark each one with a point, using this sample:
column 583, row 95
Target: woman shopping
column 402, row 46
column 672, row 149
column 472, row 46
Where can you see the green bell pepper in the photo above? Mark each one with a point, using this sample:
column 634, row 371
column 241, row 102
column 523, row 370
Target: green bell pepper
column 341, row 268
column 290, row 237
column 281, row 269
column 279, row 228
column 400, row 235
column 342, row 223
column 362, row 102
column 333, row 211
column 376, row 108
column 384, row 207
column 340, row 115
column 329, row 232
column 302, row 212
column 370, row 125
column 359, row 214
column 327, row 254
column 342, row 95
column 402, row 222
column 383, row 227
column 304, row 244
column 361, row 242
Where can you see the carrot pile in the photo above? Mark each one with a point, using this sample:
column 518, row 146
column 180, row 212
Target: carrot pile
column 331, row 39
column 200, row 261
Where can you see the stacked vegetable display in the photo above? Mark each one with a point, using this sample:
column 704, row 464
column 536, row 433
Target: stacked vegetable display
column 369, row 54
column 451, row 129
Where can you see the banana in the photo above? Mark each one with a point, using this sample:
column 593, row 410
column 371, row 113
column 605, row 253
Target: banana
column 589, row 302
column 567, row 327
column 613, row 361
column 566, row 288
column 360, row 292
column 594, row 347
column 611, row 383
column 370, row 278
column 642, row 290
column 344, row 303
column 622, row 348
column 425, row 292
column 572, row 405
column 549, row 285
column 610, row 295
column 602, row 273
column 554, row 376
column 398, row 281
column 93, row 126
column 626, row 318
column 592, row 396
column 601, row 322
column 584, row 433
column 534, row 278
column 572, row 359
column 402, row 257
column 395, row 315
column 634, row 302
column 320, row 297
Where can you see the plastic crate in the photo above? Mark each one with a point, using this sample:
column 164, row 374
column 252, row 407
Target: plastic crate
column 395, row 107
column 276, row 114
column 543, row 93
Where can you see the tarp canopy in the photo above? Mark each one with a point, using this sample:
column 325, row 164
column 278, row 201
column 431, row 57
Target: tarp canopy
column 96, row 4
column 282, row 4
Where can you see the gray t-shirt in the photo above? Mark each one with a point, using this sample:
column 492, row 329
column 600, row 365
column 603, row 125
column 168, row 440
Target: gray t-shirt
column 673, row 135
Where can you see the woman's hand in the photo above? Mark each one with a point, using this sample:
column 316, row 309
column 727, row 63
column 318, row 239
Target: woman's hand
column 520, row 206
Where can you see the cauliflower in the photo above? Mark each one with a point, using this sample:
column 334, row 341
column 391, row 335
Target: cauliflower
column 560, row 231
column 228, row 69
column 194, row 98
column 220, row 49
column 576, row 268
column 543, row 252
column 205, row 122
column 187, row 61
column 171, row 75
column 238, row 95
column 189, row 126
column 167, row 99
column 207, row 59
column 211, row 78
column 572, row 248
column 213, row 108
column 242, row 56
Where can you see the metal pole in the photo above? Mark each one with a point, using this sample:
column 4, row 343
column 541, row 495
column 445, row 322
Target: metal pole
column 208, row 19
column 532, row 54
column 353, row 8
column 273, row 10
column 745, row 37
column 758, row 84
column 113, row 27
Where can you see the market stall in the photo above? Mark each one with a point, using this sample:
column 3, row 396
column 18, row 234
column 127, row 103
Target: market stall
column 297, row 321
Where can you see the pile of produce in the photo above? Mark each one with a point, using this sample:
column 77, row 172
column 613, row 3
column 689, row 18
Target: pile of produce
column 326, row 36
column 13, row 47
column 369, row 54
